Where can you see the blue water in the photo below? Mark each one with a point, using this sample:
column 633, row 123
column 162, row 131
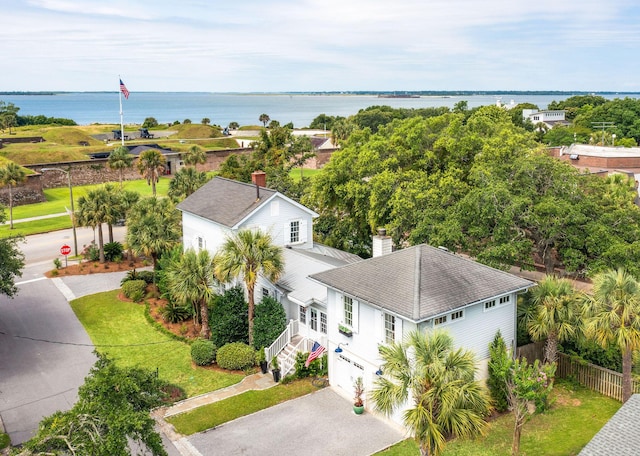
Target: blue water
column 89, row 107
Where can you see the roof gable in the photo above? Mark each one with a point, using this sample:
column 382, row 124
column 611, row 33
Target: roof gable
column 230, row 202
column 421, row 282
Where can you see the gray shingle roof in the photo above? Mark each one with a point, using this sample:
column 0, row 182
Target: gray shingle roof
column 421, row 281
column 620, row 436
column 225, row 201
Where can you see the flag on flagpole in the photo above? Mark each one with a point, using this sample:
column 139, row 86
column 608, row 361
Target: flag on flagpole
column 123, row 89
column 316, row 351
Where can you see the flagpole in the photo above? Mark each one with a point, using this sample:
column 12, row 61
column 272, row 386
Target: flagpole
column 121, row 115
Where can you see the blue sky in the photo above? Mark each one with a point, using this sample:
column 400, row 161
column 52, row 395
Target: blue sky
column 313, row 45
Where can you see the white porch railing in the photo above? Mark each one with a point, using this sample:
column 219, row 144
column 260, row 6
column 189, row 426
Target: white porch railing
column 282, row 341
column 288, row 363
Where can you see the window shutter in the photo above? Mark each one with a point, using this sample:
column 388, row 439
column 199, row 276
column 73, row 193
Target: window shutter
column 398, row 329
column 303, row 230
column 286, row 230
column 356, row 315
column 378, row 328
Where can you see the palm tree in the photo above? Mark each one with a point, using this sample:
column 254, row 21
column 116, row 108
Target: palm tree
column 120, row 159
column 93, row 211
column 264, row 118
column 153, row 227
column 190, row 281
column 612, row 318
column 185, row 182
column 12, row 175
column 247, row 254
column 194, row 155
column 553, row 314
column 151, row 164
column 436, row 383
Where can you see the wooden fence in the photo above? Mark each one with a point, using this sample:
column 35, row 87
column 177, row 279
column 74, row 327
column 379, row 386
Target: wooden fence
column 594, row 377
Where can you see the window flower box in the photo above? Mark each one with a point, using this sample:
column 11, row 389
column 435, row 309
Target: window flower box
column 345, row 331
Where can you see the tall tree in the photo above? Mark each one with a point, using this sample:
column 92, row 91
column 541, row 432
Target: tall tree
column 11, row 261
column 111, row 412
column 249, row 254
column 185, row 182
column 190, row 281
column 12, row 175
column 436, row 383
column 264, row 118
column 120, row 159
column 94, row 210
column 194, row 156
column 554, row 314
column 153, row 227
column 612, row 318
column 151, row 165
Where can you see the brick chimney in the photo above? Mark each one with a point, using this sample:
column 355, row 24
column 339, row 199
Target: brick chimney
column 381, row 243
column 259, row 178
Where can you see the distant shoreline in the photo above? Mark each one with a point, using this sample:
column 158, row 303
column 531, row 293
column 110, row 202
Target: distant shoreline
column 382, row 93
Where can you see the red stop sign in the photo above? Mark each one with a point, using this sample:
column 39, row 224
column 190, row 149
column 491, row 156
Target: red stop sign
column 65, row 250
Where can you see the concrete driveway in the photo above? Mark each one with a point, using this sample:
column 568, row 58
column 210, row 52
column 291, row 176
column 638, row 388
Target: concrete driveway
column 318, row 424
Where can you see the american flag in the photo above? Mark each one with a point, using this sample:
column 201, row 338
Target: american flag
column 123, row 89
column 316, row 351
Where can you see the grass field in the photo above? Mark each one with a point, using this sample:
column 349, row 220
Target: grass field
column 212, row 415
column 576, row 416
column 121, row 330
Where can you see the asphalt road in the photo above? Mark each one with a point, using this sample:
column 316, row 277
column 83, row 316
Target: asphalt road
column 45, row 353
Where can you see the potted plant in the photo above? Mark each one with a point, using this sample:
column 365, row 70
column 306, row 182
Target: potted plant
column 264, row 366
column 358, row 405
column 344, row 330
column 275, row 369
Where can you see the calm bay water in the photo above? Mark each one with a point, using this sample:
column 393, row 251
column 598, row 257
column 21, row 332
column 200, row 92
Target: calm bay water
column 102, row 107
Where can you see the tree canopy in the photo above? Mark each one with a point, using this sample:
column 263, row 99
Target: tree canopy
column 11, row 261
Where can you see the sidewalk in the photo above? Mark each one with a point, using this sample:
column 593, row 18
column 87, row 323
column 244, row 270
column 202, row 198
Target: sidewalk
column 31, row 219
column 257, row 381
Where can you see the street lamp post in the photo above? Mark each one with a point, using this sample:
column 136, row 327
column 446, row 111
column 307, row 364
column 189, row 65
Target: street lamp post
column 73, row 213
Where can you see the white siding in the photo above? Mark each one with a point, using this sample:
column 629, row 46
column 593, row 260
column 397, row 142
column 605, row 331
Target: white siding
column 274, row 224
column 193, row 227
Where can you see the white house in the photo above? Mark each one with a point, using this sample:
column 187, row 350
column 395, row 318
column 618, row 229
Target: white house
column 350, row 305
column 550, row 118
column 377, row 301
column 223, row 206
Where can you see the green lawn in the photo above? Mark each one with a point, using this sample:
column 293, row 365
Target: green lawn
column 576, row 416
column 58, row 202
column 121, row 330
column 211, row 415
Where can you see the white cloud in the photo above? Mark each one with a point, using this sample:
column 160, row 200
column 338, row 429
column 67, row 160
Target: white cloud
column 311, row 44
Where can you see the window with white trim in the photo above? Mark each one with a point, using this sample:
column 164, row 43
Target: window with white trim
column 348, row 310
column 440, row 320
column 457, row 315
column 313, row 320
column 323, row 323
column 504, row 299
column 294, row 230
column 265, row 292
column 389, row 328
column 302, row 314
column 200, row 242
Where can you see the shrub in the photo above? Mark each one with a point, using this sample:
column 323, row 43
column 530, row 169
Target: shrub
column 91, row 252
column 57, row 263
column 269, row 322
column 236, row 356
column 134, row 289
column 317, row 368
column 147, row 276
column 228, row 318
column 113, row 251
column 499, row 364
column 174, row 313
column 203, row 352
